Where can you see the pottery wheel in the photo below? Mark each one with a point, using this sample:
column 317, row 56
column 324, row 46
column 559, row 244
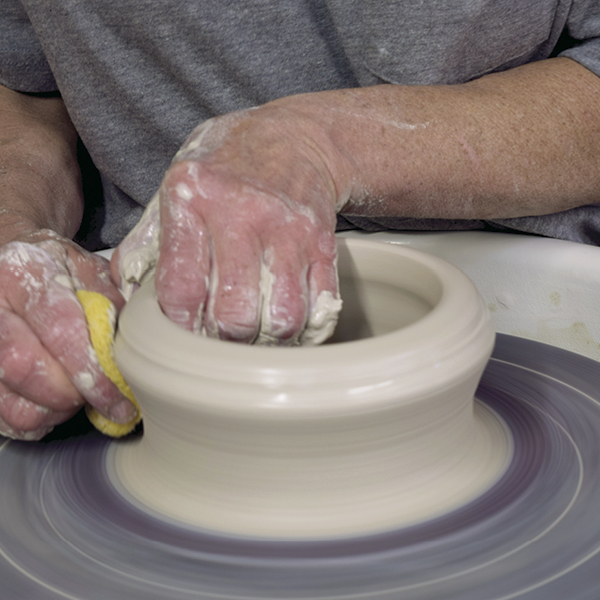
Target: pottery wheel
column 67, row 531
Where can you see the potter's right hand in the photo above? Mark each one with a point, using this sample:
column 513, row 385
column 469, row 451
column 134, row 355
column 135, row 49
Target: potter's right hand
column 242, row 230
column 47, row 366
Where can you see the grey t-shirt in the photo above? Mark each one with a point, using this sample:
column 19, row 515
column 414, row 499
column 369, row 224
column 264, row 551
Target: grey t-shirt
column 138, row 75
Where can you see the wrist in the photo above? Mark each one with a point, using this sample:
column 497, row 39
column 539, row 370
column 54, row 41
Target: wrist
column 311, row 125
column 15, row 227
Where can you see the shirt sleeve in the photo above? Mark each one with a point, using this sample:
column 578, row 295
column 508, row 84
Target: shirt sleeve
column 23, row 65
column 583, row 26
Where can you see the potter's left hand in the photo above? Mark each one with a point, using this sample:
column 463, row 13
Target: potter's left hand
column 48, row 369
column 241, row 231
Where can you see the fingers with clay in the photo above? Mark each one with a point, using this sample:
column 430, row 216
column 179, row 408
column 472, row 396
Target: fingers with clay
column 242, row 239
column 47, row 366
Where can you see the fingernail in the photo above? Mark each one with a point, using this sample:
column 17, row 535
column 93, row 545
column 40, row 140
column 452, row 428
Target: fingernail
column 123, row 412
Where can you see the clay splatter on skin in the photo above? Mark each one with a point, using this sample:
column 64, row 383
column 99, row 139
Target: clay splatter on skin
column 139, row 250
column 210, row 135
column 378, row 120
column 267, row 282
column 184, row 192
column 84, row 381
column 211, row 327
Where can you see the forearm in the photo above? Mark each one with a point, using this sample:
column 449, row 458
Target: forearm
column 522, row 142
column 39, row 175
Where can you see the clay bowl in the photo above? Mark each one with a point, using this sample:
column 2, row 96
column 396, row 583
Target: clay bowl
column 375, row 430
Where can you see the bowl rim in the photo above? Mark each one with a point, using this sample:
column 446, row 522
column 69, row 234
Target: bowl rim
column 451, row 340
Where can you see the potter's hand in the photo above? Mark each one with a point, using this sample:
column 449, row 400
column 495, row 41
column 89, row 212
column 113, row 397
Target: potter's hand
column 242, row 231
column 47, row 367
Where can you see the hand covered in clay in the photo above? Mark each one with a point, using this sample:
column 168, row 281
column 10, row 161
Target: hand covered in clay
column 47, row 366
column 241, row 232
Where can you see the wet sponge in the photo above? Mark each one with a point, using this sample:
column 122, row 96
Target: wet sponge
column 100, row 313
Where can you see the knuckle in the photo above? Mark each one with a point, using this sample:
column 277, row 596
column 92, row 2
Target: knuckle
column 23, row 415
column 327, row 244
column 181, row 295
column 235, row 322
column 58, row 336
column 179, row 178
column 66, row 337
column 17, row 364
column 287, row 321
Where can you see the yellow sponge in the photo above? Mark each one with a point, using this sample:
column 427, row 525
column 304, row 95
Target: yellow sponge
column 99, row 312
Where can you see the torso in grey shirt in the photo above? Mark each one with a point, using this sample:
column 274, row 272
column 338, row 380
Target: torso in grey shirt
column 138, row 75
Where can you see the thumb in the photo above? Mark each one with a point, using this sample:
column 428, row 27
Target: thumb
column 135, row 257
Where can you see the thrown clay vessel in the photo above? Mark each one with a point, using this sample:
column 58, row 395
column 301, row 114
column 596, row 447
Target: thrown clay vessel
column 375, row 430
